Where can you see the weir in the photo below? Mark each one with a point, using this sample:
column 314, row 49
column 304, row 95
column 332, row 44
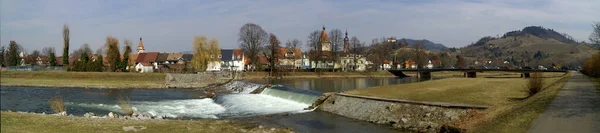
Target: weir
column 301, row 96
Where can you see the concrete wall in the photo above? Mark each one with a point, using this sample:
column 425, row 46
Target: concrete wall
column 402, row 115
column 196, row 80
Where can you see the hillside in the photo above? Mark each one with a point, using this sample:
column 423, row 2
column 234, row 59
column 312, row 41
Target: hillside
column 530, row 46
column 428, row 44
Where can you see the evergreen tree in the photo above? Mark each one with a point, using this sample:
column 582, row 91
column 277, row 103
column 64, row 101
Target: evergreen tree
column 125, row 62
column 66, row 38
column 2, row 52
column 52, row 59
column 13, row 54
column 99, row 64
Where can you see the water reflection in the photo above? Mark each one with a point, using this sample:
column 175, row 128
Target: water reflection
column 336, row 84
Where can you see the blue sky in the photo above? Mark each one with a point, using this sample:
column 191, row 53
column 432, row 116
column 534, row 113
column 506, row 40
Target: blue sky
column 169, row 25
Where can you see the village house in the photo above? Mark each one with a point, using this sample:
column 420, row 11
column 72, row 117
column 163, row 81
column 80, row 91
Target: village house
column 146, row 62
column 229, row 59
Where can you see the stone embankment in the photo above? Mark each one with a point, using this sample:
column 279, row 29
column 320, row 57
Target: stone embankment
column 197, row 80
column 401, row 114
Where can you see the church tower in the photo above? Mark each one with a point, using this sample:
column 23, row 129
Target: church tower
column 324, row 40
column 140, row 48
column 346, row 43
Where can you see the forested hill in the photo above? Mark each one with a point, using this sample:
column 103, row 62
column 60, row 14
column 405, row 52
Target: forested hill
column 428, row 44
column 542, row 32
column 532, row 46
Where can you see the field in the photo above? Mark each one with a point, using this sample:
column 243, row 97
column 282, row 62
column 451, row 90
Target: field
column 478, row 91
column 84, row 79
column 35, row 123
column 512, row 110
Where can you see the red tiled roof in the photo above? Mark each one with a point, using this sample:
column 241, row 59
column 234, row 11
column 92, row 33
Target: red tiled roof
column 147, row 57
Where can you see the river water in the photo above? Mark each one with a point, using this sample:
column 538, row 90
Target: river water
column 336, row 84
column 187, row 104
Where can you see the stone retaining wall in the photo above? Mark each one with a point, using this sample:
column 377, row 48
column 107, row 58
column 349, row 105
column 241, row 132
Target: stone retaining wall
column 402, row 115
column 196, row 80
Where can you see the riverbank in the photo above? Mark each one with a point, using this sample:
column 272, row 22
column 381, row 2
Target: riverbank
column 21, row 122
column 101, row 80
column 440, row 104
column 110, row 80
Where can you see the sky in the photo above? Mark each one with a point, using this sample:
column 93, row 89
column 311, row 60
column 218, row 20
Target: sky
column 170, row 25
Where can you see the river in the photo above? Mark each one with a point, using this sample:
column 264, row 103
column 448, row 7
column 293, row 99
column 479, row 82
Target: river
column 187, row 104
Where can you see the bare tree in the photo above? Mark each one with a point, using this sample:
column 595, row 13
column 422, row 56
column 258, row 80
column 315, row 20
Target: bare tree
column 293, row 44
column 66, row 39
column 356, row 48
column 420, row 57
column 47, row 50
column 33, row 57
column 85, row 48
column 595, row 36
column 337, row 41
column 274, row 48
column 252, row 37
column 100, row 51
column 314, row 45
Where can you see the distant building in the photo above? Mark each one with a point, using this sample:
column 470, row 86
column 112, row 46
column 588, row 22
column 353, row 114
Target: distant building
column 145, row 61
column 140, row 48
column 229, row 59
column 324, row 40
column 346, row 43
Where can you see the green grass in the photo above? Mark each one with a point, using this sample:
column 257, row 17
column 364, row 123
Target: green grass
column 516, row 117
column 34, row 123
column 478, row 91
column 84, row 79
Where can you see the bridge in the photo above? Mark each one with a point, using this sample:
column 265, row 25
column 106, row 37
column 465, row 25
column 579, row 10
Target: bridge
column 469, row 73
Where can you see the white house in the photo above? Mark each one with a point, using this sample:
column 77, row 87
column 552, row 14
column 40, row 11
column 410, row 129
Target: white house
column 230, row 59
column 144, row 67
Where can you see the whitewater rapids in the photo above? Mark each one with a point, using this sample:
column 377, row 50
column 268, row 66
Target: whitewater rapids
column 223, row 106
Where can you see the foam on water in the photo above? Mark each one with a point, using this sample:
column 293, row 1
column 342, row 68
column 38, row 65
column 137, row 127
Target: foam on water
column 224, row 106
column 198, row 108
column 257, row 104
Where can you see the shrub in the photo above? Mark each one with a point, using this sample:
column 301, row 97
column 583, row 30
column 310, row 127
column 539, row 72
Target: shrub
column 56, row 103
column 125, row 105
column 535, row 84
column 591, row 67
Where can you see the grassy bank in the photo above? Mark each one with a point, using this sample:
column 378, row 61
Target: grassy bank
column 479, row 91
column 84, row 79
column 253, row 75
column 515, row 117
column 34, row 123
column 512, row 111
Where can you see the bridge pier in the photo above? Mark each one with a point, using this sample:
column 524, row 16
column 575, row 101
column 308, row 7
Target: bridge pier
column 525, row 75
column 424, row 75
column 470, row 74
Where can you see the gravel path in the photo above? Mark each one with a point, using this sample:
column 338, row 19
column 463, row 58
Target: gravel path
column 575, row 109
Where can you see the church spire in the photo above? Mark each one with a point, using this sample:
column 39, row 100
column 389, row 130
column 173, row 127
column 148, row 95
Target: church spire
column 140, row 48
column 346, row 43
